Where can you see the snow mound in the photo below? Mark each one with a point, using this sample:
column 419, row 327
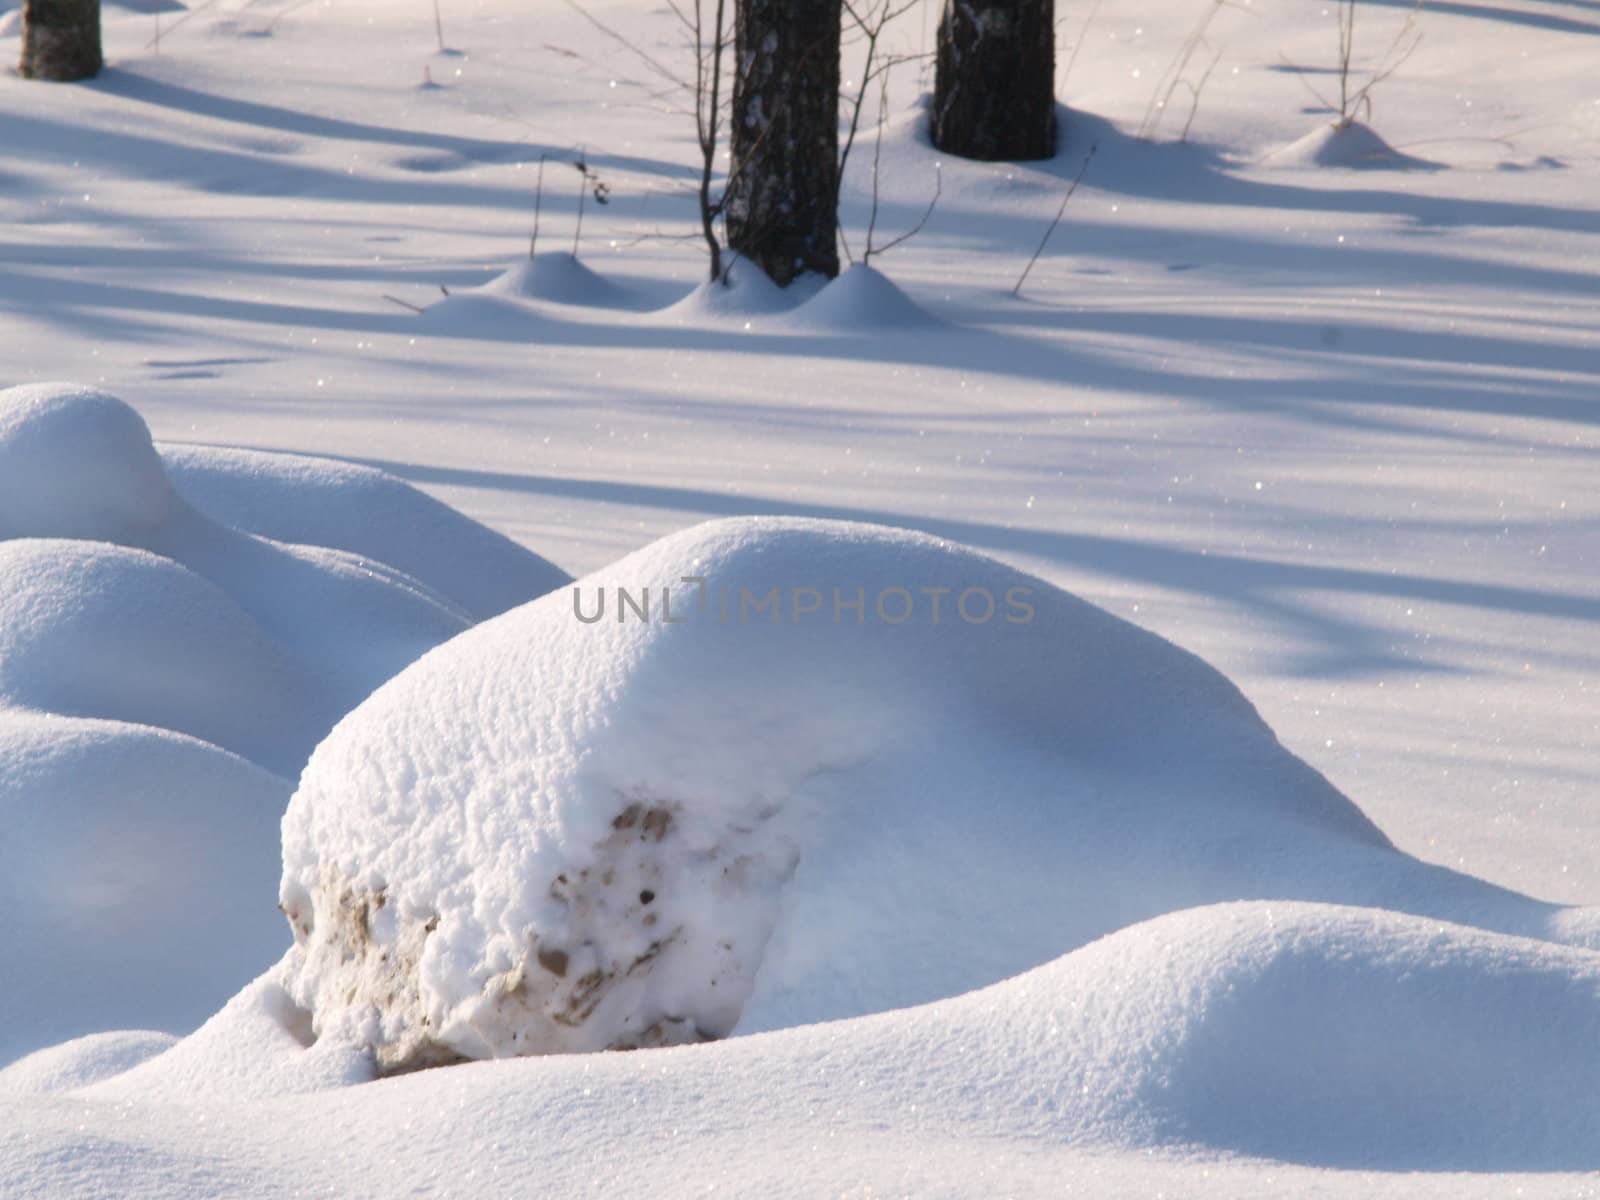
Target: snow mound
column 558, row 277
column 363, row 511
column 1347, row 1037
column 573, row 828
column 81, row 1062
column 1323, row 1035
column 94, row 630
column 1351, row 144
column 76, row 462
column 744, row 291
column 862, row 300
column 133, row 877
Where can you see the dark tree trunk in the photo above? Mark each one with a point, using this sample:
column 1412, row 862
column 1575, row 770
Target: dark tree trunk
column 781, row 203
column 60, row 39
column 994, row 91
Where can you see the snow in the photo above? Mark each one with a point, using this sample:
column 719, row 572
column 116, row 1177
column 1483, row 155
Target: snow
column 1345, row 144
column 1331, row 429
column 76, row 462
column 863, row 301
column 163, row 678
column 135, row 877
column 747, row 804
column 365, row 512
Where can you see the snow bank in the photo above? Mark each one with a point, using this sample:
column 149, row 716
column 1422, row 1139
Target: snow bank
column 363, row 511
column 136, row 876
column 576, row 828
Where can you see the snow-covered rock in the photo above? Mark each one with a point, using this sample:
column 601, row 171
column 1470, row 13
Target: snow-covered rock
column 704, row 790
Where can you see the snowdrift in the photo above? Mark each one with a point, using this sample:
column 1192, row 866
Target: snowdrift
column 132, row 873
column 362, row 511
column 768, row 772
column 139, row 864
column 1323, row 1035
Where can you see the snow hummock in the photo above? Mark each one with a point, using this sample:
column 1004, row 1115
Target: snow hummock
column 573, row 828
column 862, row 300
column 163, row 678
column 1343, row 144
column 365, row 512
column 742, row 291
column 91, row 629
column 557, row 277
column 136, row 876
column 76, row 462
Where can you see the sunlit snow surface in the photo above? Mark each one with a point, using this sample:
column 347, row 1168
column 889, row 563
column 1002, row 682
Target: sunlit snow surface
column 1333, row 428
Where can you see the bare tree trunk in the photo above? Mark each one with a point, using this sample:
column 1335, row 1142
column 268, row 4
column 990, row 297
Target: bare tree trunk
column 780, row 208
column 994, row 91
column 60, row 39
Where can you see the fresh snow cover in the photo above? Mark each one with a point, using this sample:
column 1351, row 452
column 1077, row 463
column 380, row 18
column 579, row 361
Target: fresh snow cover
column 140, row 867
column 861, row 300
column 1325, row 1036
column 363, row 511
column 78, row 463
column 1345, row 144
column 756, row 807
column 132, row 873
column 1332, row 429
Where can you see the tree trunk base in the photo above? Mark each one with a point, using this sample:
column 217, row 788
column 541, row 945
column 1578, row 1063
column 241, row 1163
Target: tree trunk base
column 60, row 40
column 781, row 206
column 994, row 89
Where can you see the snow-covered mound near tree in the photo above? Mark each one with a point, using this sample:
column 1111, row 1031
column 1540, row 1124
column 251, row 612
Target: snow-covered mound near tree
column 863, row 300
column 558, row 277
column 767, row 772
column 1344, row 144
